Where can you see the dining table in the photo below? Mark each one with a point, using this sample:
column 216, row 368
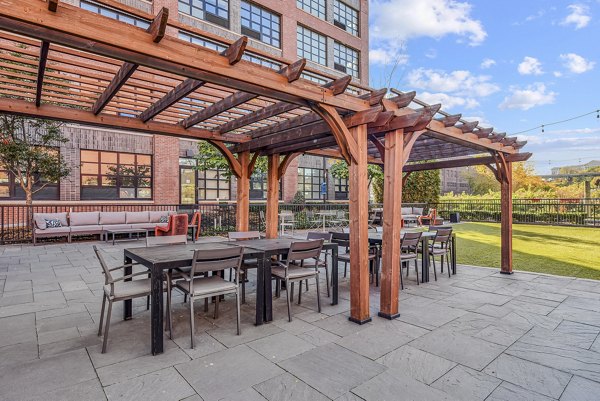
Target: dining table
column 160, row 258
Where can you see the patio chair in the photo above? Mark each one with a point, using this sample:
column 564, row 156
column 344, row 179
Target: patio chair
column 440, row 247
column 343, row 241
column 287, row 220
column 319, row 263
column 171, row 275
column 409, row 251
column 117, row 289
column 178, row 225
column 429, row 219
column 195, row 225
column 214, row 286
column 340, row 219
column 246, row 264
column 291, row 270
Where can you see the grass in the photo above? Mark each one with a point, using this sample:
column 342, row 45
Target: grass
column 564, row 251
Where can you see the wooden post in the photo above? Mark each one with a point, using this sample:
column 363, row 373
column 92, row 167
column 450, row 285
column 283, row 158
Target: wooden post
column 243, row 193
column 392, row 223
column 359, row 241
column 272, row 215
column 506, row 260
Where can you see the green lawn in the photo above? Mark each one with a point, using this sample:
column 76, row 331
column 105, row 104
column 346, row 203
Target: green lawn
column 565, row 251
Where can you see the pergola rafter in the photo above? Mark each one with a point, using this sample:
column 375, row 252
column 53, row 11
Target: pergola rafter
column 64, row 63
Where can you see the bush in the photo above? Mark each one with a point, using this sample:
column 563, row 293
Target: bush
column 299, row 198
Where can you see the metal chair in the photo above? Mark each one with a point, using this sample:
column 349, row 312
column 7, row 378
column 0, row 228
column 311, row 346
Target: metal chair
column 171, row 275
column 440, row 247
column 117, row 289
column 321, row 263
column 287, row 220
column 409, row 251
column 246, row 264
column 291, row 270
column 213, row 286
column 343, row 241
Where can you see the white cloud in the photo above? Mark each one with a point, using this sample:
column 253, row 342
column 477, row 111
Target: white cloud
column 527, row 98
column 431, row 53
column 557, row 74
column 387, row 57
column 530, row 66
column 576, row 64
column 487, row 63
column 400, row 20
column 448, row 101
column 579, row 16
column 456, row 82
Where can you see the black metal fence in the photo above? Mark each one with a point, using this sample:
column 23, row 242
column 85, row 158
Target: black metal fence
column 219, row 219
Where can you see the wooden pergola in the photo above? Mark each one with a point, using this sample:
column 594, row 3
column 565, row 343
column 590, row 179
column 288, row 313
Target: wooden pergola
column 61, row 62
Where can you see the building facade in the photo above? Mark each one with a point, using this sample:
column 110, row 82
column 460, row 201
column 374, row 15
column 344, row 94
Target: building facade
column 116, row 166
column 455, row 180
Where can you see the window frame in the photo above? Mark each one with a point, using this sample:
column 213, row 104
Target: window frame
column 343, row 15
column 137, row 21
column 309, row 7
column 213, row 18
column 303, row 32
column 220, row 179
column 302, row 182
column 259, row 35
column 340, row 49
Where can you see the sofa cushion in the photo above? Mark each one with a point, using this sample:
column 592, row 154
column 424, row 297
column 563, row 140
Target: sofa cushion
column 406, row 210
column 91, row 229
column 48, row 232
column 147, row 226
column 137, row 217
column 156, row 215
column 112, row 218
column 83, row 218
column 115, row 226
column 417, row 210
column 40, row 219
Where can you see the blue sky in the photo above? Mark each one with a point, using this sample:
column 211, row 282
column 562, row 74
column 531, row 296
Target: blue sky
column 513, row 65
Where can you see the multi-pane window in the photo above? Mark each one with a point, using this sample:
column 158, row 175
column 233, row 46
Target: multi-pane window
column 345, row 59
column 4, row 184
column 261, row 61
column 345, row 17
column 213, row 185
column 215, row 11
column 310, row 181
column 10, row 186
column 113, row 175
column 197, row 40
column 315, row 7
column 311, row 45
column 258, row 186
column 261, row 24
column 341, row 188
column 114, row 14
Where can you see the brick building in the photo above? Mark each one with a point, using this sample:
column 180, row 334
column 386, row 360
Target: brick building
column 109, row 165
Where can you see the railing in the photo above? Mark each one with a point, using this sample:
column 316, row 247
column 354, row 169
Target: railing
column 564, row 212
column 219, row 219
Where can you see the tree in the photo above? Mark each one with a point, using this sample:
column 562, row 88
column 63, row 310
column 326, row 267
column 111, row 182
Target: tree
column 28, row 151
column 210, row 158
column 339, row 170
column 422, row 187
column 481, row 180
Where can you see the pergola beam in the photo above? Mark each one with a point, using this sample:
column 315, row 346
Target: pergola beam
column 43, row 59
column 217, row 108
column 176, row 94
column 463, row 162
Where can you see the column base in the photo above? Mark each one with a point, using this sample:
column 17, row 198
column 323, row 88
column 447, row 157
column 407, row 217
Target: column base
column 388, row 316
column 358, row 321
column 503, row 272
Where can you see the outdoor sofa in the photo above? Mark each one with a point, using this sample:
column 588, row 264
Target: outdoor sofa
column 412, row 214
column 67, row 225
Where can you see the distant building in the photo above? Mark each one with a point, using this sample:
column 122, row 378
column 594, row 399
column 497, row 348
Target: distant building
column 576, row 168
column 454, row 180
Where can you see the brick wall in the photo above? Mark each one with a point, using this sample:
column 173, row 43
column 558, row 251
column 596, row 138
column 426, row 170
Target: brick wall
column 166, row 169
column 290, row 181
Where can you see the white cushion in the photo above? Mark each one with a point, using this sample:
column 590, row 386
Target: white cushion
column 155, row 216
column 130, row 289
column 84, row 218
column 137, row 217
column 112, row 218
column 208, row 285
column 93, row 228
column 406, row 210
column 60, row 231
column 417, row 210
column 40, row 219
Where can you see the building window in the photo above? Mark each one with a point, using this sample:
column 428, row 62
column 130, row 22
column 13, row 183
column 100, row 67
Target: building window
column 345, row 17
column 341, row 188
column 197, row 40
column 265, row 62
column 261, row 24
column 113, row 175
column 114, row 14
column 10, row 187
column 311, row 45
column 345, row 59
column 315, row 7
column 309, row 182
column 213, row 185
column 215, row 11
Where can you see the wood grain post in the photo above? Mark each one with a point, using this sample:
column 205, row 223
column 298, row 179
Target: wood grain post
column 359, row 220
column 506, row 259
column 272, row 215
column 392, row 223
column 243, row 193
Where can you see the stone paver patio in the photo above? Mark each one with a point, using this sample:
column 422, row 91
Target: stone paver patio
column 476, row 336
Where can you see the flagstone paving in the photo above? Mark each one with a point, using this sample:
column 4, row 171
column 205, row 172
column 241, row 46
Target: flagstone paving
column 478, row 335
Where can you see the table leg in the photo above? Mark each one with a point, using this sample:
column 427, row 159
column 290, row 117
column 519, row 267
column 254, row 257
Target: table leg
column 425, row 260
column 127, row 304
column 453, row 250
column 334, row 276
column 260, row 289
column 268, row 291
column 156, row 310
column 113, row 235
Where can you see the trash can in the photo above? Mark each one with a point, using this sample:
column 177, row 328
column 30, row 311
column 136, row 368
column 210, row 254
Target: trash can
column 455, row 217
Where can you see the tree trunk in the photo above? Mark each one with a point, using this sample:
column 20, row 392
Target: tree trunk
column 28, row 194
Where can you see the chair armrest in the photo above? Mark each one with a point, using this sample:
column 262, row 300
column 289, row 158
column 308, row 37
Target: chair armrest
column 127, row 277
column 126, row 265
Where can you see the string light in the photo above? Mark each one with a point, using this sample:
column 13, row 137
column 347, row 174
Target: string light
column 542, row 126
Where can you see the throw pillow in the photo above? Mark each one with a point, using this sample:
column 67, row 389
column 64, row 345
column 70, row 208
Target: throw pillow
column 53, row 223
column 164, row 219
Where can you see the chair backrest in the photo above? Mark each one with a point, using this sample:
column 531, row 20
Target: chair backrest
column 300, row 250
column 178, row 225
column 217, row 259
column 372, row 229
column 342, row 239
column 410, row 241
column 167, row 240
column 243, row 235
column 105, row 269
column 442, row 236
column 319, row 235
column 340, row 214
